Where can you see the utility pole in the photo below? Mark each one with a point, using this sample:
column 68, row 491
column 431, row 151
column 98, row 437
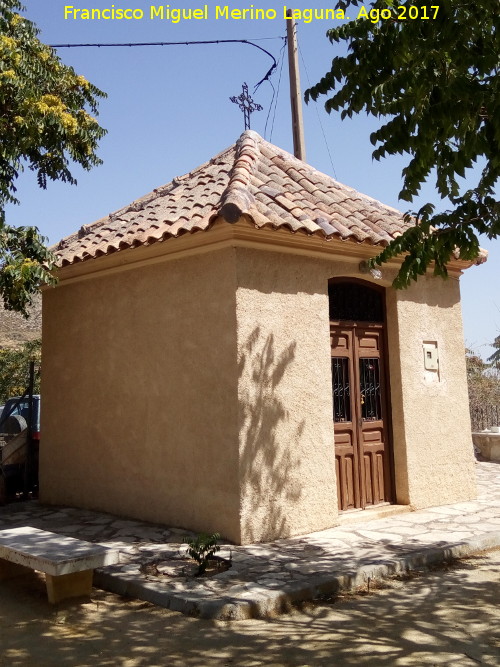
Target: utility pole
column 299, row 146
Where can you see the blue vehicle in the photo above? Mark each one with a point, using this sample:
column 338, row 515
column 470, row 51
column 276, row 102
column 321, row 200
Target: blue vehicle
column 18, row 406
column 19, row 445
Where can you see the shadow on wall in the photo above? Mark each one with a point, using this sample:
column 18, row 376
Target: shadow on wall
column 269, row 462
column 432, row 291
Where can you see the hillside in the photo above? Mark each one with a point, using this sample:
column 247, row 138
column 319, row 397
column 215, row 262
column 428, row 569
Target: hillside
column 15, row 329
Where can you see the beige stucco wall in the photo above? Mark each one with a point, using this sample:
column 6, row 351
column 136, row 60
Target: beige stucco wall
column 287, row 477
column 287, row 466
column 434, row 462
column 197, row 392
column 139, row 394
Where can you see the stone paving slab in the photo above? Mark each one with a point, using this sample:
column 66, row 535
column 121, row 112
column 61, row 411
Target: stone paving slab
column 265, row 579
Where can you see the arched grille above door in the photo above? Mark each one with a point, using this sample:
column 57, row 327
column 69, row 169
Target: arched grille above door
column 355, row 302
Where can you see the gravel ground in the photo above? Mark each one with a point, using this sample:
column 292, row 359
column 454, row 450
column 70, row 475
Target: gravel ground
column 449, row 616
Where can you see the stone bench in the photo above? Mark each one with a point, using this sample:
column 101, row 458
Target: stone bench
column 488, row 444
column 68, row 564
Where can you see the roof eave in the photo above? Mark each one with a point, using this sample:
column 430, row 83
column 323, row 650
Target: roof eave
column 243, row 233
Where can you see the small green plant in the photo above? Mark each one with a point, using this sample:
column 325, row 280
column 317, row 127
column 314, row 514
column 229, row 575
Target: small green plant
column 201, row 549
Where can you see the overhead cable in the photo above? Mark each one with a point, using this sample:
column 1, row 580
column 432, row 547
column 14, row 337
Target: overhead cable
column 208, row 41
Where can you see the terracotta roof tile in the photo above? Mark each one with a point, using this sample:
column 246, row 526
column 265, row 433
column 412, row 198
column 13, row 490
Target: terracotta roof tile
column 252, row 177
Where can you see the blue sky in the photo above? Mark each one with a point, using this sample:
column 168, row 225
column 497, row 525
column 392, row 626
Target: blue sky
column 168, row 111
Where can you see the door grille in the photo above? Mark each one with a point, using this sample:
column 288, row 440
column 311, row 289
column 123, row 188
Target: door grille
column 341, row 390
column 369, row 374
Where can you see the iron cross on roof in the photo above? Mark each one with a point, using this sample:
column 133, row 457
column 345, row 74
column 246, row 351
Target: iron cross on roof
column 246, row 104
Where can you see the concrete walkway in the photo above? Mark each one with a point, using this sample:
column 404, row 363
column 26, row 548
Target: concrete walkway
column 265, row 578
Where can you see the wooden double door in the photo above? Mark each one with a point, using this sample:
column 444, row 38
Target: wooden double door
column 360, row 415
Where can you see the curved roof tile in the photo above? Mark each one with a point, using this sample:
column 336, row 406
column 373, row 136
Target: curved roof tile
column 252, row 177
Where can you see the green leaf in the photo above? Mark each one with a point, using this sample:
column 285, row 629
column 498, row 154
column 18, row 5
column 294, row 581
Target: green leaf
column 435, row 85
column 45, row 123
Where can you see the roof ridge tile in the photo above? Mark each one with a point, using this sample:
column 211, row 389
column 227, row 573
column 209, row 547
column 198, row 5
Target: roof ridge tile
column 237, row 198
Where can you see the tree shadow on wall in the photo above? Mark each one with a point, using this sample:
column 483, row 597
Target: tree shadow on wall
column 269, row 463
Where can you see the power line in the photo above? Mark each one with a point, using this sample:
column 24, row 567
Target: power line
column 208, row 41
column 317, row 114
column 275, row 92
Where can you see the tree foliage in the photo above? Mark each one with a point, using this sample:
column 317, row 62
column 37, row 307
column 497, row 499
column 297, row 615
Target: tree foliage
column 434, row 83
column 483, row 382
column 494, row 359
column 14, row 369
column 45, row 125
column 25, row 264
